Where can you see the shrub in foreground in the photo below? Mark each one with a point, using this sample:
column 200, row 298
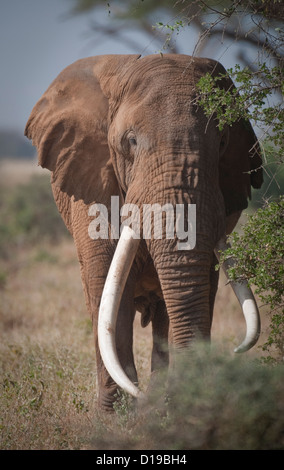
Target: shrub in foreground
column 216, row 403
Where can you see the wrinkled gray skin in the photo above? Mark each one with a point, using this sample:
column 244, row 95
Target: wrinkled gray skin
column 130, row 126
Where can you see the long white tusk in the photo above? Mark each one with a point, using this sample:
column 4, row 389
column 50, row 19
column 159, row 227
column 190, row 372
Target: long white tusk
column 246, row 300
column 115, row 282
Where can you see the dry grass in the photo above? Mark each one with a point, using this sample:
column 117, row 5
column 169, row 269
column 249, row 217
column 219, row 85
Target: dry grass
column 47, row 366
column 47, row 369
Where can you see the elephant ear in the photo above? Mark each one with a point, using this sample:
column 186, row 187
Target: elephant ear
column 240, row 165
column 69, row 127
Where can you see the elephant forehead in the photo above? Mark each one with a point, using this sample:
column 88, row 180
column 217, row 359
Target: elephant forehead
column 157, row 99
column 161, row 76
column 170, row 89
column 159, row 115
column 159, row 95
column 151, row 105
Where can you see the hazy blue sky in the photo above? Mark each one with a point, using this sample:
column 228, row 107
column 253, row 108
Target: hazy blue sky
column 36, row 43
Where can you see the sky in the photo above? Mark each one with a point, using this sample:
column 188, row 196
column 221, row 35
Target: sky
column 38, row 38
column 36, row 43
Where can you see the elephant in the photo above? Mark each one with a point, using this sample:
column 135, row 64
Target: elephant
column 130, row 126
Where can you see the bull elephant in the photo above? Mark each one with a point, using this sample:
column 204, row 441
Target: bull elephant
column 130, row 127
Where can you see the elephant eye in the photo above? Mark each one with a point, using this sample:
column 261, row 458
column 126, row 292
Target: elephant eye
column 132, row 141
column 129, row 144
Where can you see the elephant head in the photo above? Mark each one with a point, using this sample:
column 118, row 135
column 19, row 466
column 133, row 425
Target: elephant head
column 127, row 126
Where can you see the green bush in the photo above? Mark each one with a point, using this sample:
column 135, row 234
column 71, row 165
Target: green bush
column 273, row 179
column 259, row 258
column 259, row 251
column 28, row 215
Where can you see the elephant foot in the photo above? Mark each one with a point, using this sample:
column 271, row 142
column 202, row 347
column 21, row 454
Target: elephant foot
column 110, row 397
column 115, row 401
column 107, row 398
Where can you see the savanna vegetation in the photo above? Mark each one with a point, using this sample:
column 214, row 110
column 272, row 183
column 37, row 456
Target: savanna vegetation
column 47, row 363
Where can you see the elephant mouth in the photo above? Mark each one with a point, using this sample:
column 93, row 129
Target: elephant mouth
column 117, row 276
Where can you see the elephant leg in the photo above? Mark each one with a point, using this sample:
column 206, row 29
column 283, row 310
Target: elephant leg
column 107, row 389
column 160, row 351
column 95, row 258
column 160, row 331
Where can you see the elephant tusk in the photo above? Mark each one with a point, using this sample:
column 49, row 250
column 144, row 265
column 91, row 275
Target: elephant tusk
column 116, row 279
column 246, row 300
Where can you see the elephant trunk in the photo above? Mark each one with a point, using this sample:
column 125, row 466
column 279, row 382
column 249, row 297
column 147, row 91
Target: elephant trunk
column 184, row 278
